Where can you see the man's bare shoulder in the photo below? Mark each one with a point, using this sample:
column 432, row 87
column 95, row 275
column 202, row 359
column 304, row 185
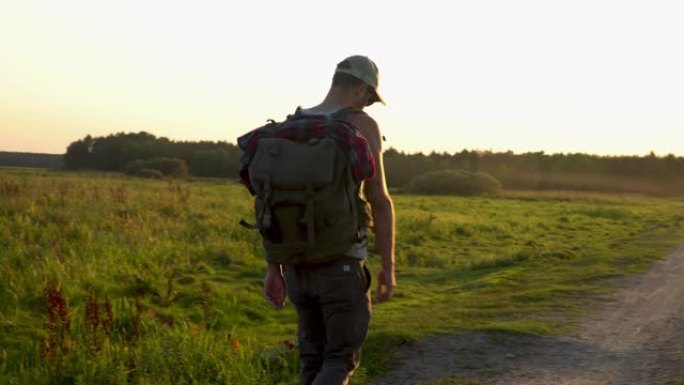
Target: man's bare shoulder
column 368, row 128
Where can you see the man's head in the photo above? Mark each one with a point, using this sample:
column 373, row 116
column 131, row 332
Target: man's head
column 359, row 75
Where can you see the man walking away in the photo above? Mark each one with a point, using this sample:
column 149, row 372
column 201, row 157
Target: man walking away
column 331, row 292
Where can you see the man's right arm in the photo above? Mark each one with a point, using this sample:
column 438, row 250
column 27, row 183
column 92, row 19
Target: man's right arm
column 274, row 285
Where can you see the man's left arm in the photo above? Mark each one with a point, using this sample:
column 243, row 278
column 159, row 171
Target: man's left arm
column 382, row 209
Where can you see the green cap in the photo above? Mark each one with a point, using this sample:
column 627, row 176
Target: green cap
column 362, row 68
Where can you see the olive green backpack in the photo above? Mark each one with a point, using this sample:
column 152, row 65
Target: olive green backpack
column 305, row 196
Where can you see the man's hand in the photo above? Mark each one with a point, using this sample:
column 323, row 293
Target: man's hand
column 386, row 284
column 274, row 286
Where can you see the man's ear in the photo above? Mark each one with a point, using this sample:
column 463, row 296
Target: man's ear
column 362, row 94
column 361, row 90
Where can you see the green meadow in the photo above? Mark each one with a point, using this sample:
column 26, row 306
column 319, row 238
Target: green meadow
column 107, row 279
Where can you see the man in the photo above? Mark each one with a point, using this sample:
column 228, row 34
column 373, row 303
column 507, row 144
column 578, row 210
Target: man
column 333, row 299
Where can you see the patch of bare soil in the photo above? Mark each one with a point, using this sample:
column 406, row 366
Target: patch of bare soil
column 637, row 339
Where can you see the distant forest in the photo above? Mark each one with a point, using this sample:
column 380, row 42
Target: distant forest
column 650, row 174
column 117, row 152
column 28, row 159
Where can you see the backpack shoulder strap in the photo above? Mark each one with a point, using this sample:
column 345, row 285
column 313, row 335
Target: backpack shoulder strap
column 295, row 115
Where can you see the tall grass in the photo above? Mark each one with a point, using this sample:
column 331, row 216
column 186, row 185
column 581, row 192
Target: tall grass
column 115, row 280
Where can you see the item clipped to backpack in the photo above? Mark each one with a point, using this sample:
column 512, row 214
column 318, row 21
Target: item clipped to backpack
column 305, row 174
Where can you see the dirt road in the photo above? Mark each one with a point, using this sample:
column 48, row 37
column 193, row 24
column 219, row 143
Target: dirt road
column 638, row 339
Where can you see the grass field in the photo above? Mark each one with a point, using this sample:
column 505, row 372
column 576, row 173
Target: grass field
column 115, row 280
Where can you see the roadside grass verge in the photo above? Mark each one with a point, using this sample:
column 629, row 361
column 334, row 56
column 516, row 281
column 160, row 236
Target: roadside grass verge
column 116, row 280
column 530, row 264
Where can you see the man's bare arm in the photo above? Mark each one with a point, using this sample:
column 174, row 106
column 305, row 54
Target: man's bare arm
column 274, row 285
column 382, row 208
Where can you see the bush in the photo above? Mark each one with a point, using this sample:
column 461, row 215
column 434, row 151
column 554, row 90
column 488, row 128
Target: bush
column 171, row 167
column 150, row 173
column 454, row 182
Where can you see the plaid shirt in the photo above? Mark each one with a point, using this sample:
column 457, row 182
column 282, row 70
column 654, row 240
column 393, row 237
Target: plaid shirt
column 302, row 128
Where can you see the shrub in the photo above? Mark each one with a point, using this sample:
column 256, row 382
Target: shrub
column 454, row 182
column 171, row 167
column 150, row 173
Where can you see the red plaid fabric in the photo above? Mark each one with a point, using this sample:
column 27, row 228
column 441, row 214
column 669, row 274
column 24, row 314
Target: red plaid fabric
column 303, row 128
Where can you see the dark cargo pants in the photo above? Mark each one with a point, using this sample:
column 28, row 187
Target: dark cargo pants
column 333, row 313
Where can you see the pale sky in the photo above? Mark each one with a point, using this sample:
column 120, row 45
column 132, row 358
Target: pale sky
column 602, row 77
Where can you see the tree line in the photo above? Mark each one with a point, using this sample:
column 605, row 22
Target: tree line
column 651, row 174
column 121, row 151
column 29, row 159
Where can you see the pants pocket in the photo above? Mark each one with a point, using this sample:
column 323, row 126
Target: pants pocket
column 292, row 284
column 369, row 278
column 345, row 281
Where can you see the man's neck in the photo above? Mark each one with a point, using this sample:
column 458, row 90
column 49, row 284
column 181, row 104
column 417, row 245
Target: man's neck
column 336, row 100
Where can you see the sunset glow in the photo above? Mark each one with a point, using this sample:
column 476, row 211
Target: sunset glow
column 600, row 77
